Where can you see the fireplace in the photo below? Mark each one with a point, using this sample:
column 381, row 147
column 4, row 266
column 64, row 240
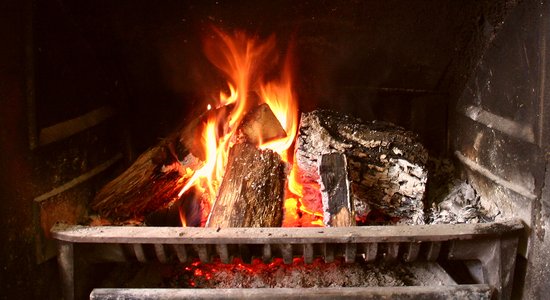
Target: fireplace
column 102, row 82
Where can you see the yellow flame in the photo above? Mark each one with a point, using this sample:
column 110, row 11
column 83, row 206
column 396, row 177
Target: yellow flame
column 242, row 59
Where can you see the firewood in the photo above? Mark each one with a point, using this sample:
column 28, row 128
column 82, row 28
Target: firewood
column 260, row 125
column 251, row 193
column 155, row 178
column 336, row 191
column 386, row 164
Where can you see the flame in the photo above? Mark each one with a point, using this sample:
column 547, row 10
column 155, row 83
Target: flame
column 281, row 100
column 246, row 60
column 183, row 220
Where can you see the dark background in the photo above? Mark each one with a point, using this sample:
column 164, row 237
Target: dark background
column 401, row 61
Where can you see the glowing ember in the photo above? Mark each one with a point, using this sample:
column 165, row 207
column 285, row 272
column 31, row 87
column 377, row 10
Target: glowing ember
column 246, row 60
column 276, row 274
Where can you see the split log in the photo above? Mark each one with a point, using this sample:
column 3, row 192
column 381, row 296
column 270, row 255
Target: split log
column 140, row 190
column 336, row 191
column 386, row 164
column 251, row 193
column 260, row 125
column 155, row 178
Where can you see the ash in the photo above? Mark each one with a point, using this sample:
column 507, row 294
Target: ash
column 296, row 275
column 454, row 201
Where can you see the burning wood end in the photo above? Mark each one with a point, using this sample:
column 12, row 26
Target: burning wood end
column 251, row 194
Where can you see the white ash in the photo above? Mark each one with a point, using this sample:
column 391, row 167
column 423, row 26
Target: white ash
column 461, row 205
column 379, row 154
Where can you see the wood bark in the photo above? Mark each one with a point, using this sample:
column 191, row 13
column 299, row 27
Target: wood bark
column 141, row 189
column 338, row 207
column 251, row 193
column 155, row 178
column 386, row 164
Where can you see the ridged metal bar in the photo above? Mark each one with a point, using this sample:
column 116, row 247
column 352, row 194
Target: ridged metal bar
column 328, row 253
column 190, row 242
column 371, row 250
column 329, row 235
column 223, row 252
column 161, row 254
column 433, row 251
column 138, row 251
column 412, row 251
column 350, row 253
column 392, row 252
column 308, row 253
column 181, row 252
column 65, row 259
column 472, row 291
column 286, row 252
column 266, row 254
column 202, row 251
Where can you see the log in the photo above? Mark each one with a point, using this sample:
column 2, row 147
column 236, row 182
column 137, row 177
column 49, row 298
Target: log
column 140, row 190
column 260, row 125
column 338, row 208
column 251, row 193
column 387, row 164
column 155, row 178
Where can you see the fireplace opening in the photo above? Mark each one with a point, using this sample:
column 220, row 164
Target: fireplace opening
column 104, row 82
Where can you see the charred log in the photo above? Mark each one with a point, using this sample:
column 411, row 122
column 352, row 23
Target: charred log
column 336, row 191
column 155, row 178
column 251, row 193
column 386, row 164
column 140, row 190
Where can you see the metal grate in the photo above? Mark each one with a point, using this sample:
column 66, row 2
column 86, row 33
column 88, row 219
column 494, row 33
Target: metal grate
column 493, row 244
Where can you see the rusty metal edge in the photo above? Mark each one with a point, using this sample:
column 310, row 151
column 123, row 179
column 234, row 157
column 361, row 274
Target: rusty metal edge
column 473, row 291
column 367, row 234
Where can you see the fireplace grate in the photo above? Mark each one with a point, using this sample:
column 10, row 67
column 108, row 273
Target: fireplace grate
column 494, row 245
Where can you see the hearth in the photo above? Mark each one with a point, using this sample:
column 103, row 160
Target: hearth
column 461, row 84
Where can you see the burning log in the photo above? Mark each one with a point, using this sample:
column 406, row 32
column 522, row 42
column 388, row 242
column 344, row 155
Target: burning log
column 156, row 177
column 386, row 164
column 335, row 191
column 251, row 193
column 141, row 189
column 261, row 125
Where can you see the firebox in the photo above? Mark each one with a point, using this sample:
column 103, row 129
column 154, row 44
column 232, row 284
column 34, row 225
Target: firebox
column 90, row 86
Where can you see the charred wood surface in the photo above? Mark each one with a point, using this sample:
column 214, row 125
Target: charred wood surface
column 336, row 191
column 143, row 188
column 251, row 193
column 155, row 178
column 386, row 164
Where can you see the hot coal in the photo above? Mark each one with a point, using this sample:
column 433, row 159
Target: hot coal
column 276, row 274
column 296, row 275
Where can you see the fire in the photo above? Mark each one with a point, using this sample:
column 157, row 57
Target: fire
column 281, row 100
column 183, row 220
column 246, row 61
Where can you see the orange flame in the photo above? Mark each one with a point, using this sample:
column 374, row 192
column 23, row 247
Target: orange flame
column 183, row 220
column 281, row 100
column 246, row 60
